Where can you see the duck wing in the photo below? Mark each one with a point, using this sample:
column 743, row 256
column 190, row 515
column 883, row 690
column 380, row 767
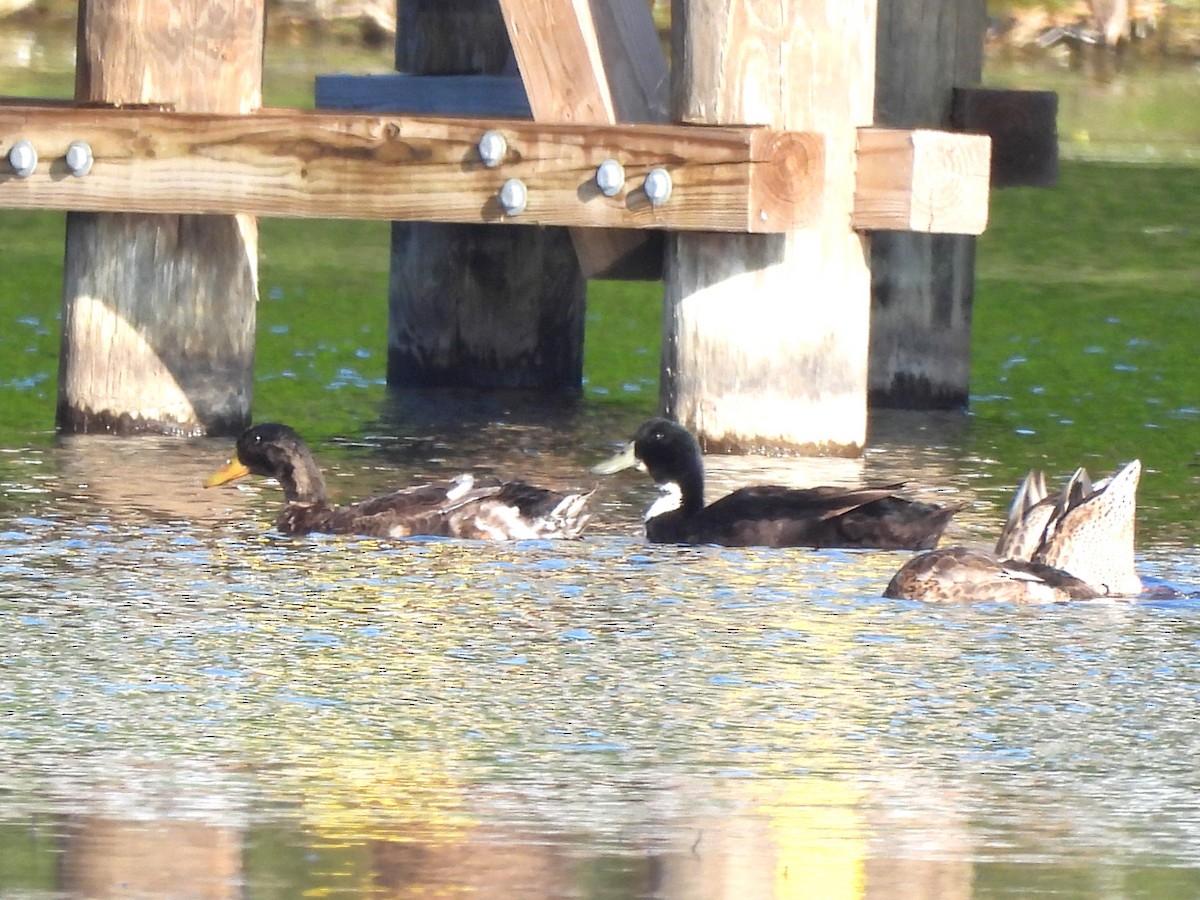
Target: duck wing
column 425, row 509
column 466, row 507
column 961, row 575
column 819, row 517
column 520, row 511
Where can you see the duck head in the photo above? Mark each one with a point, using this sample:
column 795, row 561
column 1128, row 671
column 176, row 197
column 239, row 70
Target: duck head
column 274, row 451
column 671, row 456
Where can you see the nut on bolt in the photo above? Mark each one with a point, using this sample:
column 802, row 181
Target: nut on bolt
column 610, row 177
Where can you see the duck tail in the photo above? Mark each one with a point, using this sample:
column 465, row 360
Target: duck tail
column 569, row 517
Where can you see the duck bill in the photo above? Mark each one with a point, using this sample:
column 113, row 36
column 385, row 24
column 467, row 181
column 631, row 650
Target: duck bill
column 624, row 459
column 231, row 471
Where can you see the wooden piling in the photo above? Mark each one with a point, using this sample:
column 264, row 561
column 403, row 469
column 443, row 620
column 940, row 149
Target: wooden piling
column 922, row 284
column 472, row 305
column 765, row 336
column 158, row 311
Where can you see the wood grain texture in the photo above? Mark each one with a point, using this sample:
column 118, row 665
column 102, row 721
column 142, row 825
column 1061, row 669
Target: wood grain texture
column 468, row 305
column 765, row 337
column 558, row 53
column 308, row 164
column 592, row 62
column 158, row 311
column 922, row 284
column 921, row 180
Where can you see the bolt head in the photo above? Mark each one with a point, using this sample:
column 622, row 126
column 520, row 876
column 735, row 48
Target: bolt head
column 23, row 158
column 657, row 186
column 513, row 196
column 79, row 158
column 492, row 148
column 610, row 177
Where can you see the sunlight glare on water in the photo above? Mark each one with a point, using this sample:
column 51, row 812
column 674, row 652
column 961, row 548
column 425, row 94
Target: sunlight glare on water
column 182, row 681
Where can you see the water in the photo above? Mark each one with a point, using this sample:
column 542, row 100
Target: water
column 190, row 696
column 191, row 704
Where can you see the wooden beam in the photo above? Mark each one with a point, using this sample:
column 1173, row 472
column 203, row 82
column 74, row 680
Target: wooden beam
column 922, row 284
column 765, row 338
column 158, row 312
column 502, row 96
column 308, row 164
column 597, row 62
column 1023, row 126
column 472, row 306
column 920, row 180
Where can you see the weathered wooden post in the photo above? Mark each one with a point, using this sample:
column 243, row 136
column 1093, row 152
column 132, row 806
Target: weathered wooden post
column 922, row 284
column 476, row 305
column 765, row 336
column 158, row 310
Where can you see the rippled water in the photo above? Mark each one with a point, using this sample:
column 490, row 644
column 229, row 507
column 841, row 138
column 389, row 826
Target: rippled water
column 190, row 698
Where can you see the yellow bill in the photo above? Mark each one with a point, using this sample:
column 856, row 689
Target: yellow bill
column 232, row 470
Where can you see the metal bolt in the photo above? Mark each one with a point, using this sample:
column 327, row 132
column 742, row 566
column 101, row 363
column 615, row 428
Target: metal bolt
column 79, row 158
column 23, row 158
column 610, row 177
column 513, row 196
column 657, row 186
column 492, row 147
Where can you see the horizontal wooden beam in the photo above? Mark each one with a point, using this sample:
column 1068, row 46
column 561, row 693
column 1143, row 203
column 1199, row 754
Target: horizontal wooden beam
column 502, row 96
column 1023, row 126
column 294, row 163
column 919, row 180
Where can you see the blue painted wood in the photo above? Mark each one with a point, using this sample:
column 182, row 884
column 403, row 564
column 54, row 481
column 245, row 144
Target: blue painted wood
column 479, row 96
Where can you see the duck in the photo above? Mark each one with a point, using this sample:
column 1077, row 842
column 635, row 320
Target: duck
column 467, row 506
column 768, row 515
column 1074, row 545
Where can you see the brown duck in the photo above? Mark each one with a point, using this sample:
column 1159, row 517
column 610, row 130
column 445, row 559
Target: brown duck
column 1077, row 545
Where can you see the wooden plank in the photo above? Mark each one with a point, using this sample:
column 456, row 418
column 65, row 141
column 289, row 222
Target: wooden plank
column 920, row 180
column 311, row 164
column 592, row 62
column 633, row 59
column 558, row 53
column 1023, row 126
column 765, row 338
column 501, row 96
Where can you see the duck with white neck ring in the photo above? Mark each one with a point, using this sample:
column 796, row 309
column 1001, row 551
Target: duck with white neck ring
column 768, row 515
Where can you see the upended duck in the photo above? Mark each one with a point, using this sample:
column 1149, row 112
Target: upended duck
column 1077, row 545
column 465, row 507
column 768, row 515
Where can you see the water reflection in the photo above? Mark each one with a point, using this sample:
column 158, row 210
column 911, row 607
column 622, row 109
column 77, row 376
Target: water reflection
column 192, row 699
